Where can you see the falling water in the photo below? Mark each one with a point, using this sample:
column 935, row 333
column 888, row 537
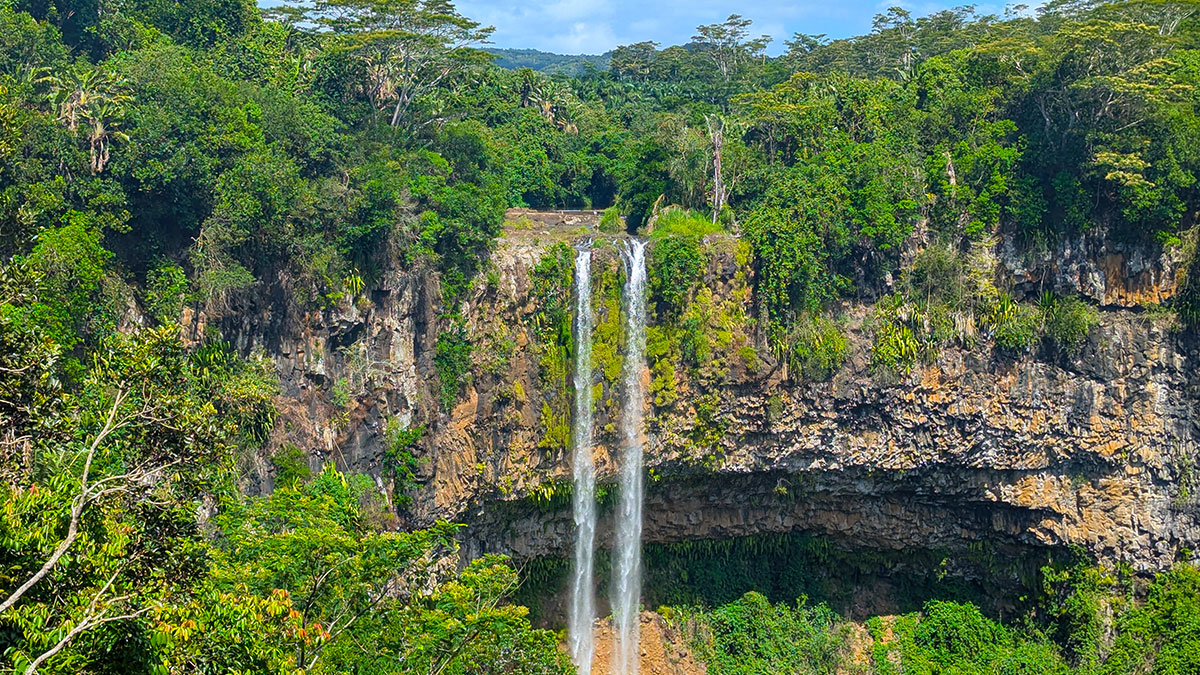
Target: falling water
column 627, row 557
column 583, row 604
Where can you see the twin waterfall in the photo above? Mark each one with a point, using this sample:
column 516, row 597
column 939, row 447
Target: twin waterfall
column 627, row 550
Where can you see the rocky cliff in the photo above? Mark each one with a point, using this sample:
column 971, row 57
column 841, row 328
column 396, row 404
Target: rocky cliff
column 1095, row 447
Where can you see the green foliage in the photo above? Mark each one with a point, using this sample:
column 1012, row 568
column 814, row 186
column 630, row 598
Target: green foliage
column 1067, row 321
column 937, row 276
column 112, row 479
column 957, row 638
column 340, row 395
column 74, row 299
column 1014, row 326
column 193, row 153
column 1164, row 631
column 855, row 193
column 546, row 62
column 553, row 279
column 662, row 351
column 750, row 635
column 1072, row 597
column 676, row 265
column 610, row 221
column 166, row 291
column 452, row 358
column 607, row 331
column 896, row 347
column 814, row 347
column 399, row 460
column 674, row 221
column 320, row 545
column 291, row 465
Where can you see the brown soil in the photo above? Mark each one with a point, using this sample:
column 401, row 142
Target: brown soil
column 663, row 650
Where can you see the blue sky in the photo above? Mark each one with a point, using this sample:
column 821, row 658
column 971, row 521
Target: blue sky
column 595, row 26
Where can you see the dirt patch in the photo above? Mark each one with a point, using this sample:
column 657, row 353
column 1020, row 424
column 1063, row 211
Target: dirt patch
column 663, row 650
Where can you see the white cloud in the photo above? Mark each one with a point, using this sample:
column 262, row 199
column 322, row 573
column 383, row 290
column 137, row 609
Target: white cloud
column 584, row 37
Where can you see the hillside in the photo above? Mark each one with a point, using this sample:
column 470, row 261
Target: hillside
column 548, row 62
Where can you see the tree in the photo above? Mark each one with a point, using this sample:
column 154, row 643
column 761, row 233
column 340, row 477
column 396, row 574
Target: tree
column 408, row 48
column 326, row 584
column 95, row 525
column 893, row 40
column 632, row 62
column 95, row 99
column 716, row 131
column 729, row 44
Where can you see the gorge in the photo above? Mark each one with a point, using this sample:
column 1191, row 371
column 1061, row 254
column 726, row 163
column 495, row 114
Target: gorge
column 328, row 344
column 1032, row 454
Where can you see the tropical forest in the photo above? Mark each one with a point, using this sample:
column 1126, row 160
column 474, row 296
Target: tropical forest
column 336, row 339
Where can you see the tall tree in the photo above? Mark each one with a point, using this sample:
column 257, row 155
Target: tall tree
column 408, row 47
column 729, row 44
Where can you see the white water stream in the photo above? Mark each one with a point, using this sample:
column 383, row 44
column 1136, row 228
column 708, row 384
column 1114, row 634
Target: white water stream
column 580, row 622
column 627, row 553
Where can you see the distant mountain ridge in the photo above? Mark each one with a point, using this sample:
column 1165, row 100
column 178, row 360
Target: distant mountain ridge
column 549, row 62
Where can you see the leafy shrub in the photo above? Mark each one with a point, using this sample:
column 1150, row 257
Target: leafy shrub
column 399, row 461
column 751, row 635
column 662, row 349
column 896, row 348
column 694, row 345
column 453, row 362
column 552, row 281
column 291, row 465
column 340, row 395
column 1014, row 326
column 69, row 264
column 1067, row 321
column 816, row 215
column 955, row 631
column 1071, row 598
column 1165, row 631
column 610, row 221
column 710, row 428
column 815, row 347
column 676, row 264
column 937, row 276
column 553, row 278
column 166, row 289
column 951, row 637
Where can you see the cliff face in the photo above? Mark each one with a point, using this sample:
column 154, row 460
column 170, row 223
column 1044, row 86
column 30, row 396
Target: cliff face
column 1094, row 448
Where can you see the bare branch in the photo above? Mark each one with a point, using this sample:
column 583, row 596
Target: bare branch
column 78, row 505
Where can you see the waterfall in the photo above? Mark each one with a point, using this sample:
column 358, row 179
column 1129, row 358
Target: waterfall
column 627, row 554
column 583, row 604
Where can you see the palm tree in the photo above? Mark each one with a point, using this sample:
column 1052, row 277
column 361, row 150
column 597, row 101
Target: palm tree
column 96, row 99
column 530, row 86
column 103, row 126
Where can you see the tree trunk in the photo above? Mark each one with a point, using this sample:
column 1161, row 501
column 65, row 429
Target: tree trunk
column 716, row 129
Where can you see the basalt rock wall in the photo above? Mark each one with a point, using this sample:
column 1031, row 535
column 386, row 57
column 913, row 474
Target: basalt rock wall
column 1094, row 447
